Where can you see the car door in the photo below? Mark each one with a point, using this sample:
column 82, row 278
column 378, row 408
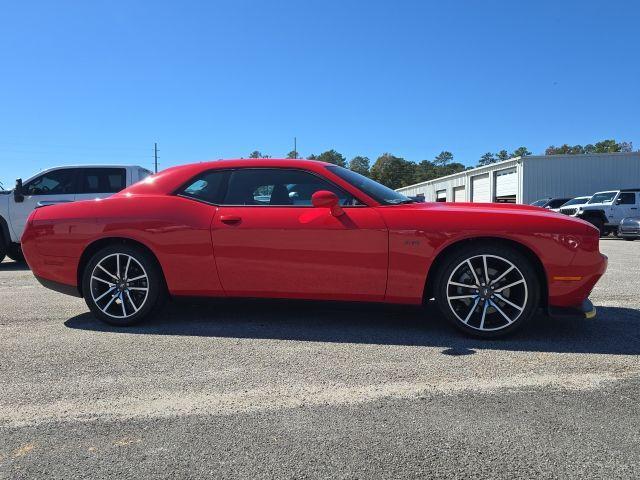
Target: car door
column 100, row 182
column 270, row 241
column 626, row 205
column 54, row 186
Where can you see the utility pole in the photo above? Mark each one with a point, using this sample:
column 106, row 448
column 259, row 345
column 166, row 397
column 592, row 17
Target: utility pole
column 155, row 157
column 295, row 146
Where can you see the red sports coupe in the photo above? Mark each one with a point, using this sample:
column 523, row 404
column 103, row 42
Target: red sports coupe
column 311, row 230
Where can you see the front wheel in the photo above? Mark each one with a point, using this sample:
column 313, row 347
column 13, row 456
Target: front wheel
column 488, row 291
column 122, row 285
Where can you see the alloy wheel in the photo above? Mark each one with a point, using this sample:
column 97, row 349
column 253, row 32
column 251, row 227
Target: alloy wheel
column 119, row 285
column 487, row 292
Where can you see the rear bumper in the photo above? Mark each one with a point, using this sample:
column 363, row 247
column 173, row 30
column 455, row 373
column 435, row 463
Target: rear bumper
column 585, row 310
column 59, row 287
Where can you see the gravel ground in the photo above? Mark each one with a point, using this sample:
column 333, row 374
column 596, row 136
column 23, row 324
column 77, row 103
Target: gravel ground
column 248, row 389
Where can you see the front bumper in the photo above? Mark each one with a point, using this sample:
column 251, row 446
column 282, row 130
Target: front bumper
column 585, row 310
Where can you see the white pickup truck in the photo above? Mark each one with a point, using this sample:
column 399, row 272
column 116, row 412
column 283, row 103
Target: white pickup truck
column 58, row 185
column 605, row 210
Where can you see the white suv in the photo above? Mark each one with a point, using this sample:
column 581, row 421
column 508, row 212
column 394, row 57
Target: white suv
column 58, row 185
column 572, row 206
column 605, row 210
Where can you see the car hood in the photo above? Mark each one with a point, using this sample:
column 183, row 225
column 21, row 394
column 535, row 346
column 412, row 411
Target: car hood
column 473, row 207
column 484, row 217
column 597, row 205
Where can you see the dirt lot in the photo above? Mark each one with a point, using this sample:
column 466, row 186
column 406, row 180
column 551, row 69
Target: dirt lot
column 250, row 389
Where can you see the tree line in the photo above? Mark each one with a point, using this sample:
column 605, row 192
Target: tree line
column 396, row 172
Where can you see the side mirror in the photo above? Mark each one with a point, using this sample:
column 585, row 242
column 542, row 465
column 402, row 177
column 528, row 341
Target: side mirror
column 18, row 191
column 327, row 199
column 618, row 201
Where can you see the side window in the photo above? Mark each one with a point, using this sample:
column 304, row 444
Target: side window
column 103, row 180
column 281, row 187
column 208, row 187
column 57, row 182
column 627, row 198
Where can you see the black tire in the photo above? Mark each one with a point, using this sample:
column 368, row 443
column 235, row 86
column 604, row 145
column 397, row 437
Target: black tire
column 1, row 257
column 599, row 224
column 629, row 239
column 153, row 282
column 525, row 295
column 15, row 253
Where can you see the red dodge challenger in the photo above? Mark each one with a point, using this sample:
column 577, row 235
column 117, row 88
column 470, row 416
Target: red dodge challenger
column 311, row 230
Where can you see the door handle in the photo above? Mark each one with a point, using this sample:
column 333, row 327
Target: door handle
column 230, row 219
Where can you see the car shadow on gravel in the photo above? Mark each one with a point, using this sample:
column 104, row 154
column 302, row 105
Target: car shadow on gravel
column 615, row 331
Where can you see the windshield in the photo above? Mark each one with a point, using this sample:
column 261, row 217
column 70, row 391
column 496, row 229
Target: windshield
column 378, row 192
column 540, row 203
column 576, row 201
column 604, row 197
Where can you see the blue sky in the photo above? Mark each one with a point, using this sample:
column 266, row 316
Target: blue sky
column 100, row 81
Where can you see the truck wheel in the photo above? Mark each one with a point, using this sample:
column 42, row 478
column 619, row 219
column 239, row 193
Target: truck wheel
column 599, row 224
column 1, row 257
column 15, row 253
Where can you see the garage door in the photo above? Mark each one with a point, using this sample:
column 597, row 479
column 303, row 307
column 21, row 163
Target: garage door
column 441, row 196
column 458, row 194
column 506, row 185
column 480, row 188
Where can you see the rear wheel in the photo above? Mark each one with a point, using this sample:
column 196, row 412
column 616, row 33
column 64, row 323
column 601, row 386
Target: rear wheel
column 122, row 285
column 488, row 291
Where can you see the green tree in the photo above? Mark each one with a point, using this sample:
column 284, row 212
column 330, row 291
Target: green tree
column 486, row 159
column 450, row 169
column 607, row 146
column 425, row 170
column 443, row 158
column 312, row 157
column 293, row 154
column 360, row 165
column 257, row 154
column 626, row 147
column 392, row 171
column 331, row 156
column 521, row 152
column 502, row 155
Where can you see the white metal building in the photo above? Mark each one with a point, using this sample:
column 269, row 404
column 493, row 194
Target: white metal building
column 526, row 179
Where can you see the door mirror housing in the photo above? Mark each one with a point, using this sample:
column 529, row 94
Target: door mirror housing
column 327, row 199
column 18, row 191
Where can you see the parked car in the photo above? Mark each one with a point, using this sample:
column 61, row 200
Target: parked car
column 58, row 185
column 551, row 203
column 198, row 230
column 572, row 206
column 605, row 210
column 629, row 228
